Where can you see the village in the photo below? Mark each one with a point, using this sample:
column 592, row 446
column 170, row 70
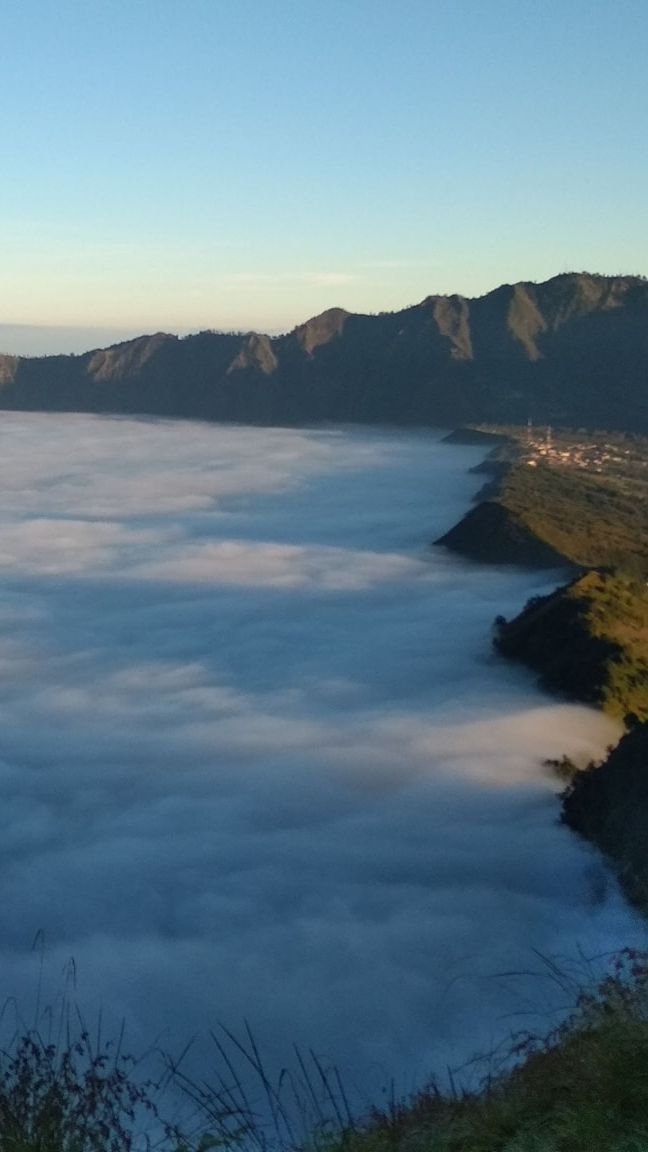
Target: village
column 542, row 446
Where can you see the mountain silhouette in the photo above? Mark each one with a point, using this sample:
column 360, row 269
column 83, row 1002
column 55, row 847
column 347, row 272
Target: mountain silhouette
column 571, row 350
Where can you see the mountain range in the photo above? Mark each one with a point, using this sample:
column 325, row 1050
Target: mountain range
column 572, row 350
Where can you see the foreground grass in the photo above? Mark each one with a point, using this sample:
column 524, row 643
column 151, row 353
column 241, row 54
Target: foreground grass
column 68, row 1096
column 585, row 1089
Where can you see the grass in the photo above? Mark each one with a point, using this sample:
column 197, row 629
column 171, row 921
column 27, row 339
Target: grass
column 595, row 521
column 593, row 518
column 588, row 640
column 66, row 1091
column 617, row 612
column 583, row 1089
column 69, row 1097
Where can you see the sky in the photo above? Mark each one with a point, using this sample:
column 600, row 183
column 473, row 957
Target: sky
column 246, row 165
column 250, row 771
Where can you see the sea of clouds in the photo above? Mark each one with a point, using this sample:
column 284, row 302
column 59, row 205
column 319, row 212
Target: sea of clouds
column 258, row 760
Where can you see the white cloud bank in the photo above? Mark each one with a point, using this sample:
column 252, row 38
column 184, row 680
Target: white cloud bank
column 257, row 759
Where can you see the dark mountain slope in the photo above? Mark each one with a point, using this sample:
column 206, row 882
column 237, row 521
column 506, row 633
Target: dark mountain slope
column 608, row 804
column 571, row 350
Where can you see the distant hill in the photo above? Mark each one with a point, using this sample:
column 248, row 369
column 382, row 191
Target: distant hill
column 570, row 351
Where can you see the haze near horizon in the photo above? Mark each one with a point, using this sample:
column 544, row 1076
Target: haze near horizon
column 241, row 166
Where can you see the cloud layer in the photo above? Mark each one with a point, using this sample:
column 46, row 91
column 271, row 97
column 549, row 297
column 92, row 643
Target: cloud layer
column 257, row 758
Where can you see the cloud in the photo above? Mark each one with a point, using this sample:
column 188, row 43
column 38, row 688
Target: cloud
column 257, row 564
column 57, row 546
column 258, row 760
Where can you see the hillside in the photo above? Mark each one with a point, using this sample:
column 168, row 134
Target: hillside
column 582, row 501
column 583, row 1089
column 588, row 640
column 492, row 534
column 608, row 803
column 570, row 349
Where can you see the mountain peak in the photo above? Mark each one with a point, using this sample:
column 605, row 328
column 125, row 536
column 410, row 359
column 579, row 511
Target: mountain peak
column 572, row 350
column 257, row 352
column 120, row 360
column 321, row 329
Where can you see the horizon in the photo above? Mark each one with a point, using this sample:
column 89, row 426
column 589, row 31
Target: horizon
column 243, row 169
column 38, row 340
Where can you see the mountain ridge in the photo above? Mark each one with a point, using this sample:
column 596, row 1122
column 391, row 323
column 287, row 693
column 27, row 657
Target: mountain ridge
column 570, row 349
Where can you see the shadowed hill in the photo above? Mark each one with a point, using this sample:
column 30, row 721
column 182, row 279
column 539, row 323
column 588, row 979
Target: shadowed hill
column 608, row 804
column 570, row 350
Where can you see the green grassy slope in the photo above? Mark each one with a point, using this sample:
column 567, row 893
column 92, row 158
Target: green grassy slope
column 585, row 503
column 585, row 1089
column 581, row 500
column 592, row 518
column 588, row 640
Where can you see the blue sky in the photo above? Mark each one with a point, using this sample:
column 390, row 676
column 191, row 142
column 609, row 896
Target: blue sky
column 240, row 163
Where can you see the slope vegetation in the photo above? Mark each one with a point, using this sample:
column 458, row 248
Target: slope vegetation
column 586, row 498
column 584, row 1089
column 588, row 640
column 579, row 501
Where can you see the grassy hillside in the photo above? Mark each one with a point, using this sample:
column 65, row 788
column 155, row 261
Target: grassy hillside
column 588, row 500
column 588, row 640
column 581, row 501
column 582, row 498
column 585, row 1089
